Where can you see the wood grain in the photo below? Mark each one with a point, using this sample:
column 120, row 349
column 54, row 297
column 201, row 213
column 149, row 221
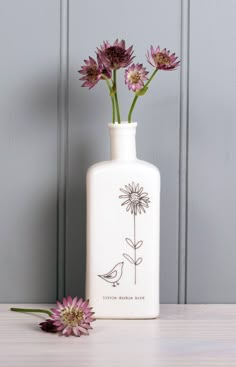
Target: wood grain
column 185, row 335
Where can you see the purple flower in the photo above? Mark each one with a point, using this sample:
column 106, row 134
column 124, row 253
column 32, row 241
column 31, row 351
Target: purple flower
column 48, row 326
column 115, row 56
column 93, row 71
column 135, row 76
column 72, row 316
column 162, row 60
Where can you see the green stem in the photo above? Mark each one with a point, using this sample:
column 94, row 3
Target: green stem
column 150, row 79
column 136, row 96
column 132, row 108
column 116, row 97
column 112, row 100
column 49, row 313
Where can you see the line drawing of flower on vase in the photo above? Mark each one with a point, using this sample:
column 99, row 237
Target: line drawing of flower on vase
column 136, row 202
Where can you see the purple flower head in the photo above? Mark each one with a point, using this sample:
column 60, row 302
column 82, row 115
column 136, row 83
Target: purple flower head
column 72, row 316
column 93, row 71
column 135, row 77
column 162, row 60
column 115, row 56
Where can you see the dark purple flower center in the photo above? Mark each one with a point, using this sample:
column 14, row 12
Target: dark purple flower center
column 92, row 73
column 116, row 56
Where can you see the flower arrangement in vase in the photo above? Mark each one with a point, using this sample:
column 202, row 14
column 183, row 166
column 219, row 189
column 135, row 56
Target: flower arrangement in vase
column 113, row 284
column 111, row 58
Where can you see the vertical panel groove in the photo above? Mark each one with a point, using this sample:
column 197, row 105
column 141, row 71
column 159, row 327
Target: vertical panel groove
column 62, row 146
column 183, row 152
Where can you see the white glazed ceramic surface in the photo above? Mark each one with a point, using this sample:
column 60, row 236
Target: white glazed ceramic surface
column 123, row 222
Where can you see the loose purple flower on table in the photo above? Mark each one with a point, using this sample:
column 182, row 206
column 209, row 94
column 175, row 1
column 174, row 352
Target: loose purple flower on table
column 69, row 317
column 115, row 56
column 135, row 76
column 72, row 316
column 162, row 60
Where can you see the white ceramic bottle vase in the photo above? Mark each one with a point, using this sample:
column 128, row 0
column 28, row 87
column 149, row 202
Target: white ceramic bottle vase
column 123, row 221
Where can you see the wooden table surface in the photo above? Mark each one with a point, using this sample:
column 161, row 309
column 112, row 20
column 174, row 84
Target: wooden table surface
column 185, row 335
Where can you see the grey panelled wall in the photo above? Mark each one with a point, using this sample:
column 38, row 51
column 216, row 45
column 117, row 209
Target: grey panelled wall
column 212, row 153
column 157, row 114
column 29, row 38
column 52, row 130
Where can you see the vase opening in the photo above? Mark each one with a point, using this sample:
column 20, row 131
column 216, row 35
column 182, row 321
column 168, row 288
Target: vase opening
column 122, row 140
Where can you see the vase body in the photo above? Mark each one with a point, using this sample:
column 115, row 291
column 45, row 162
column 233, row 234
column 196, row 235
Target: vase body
column 123, row 222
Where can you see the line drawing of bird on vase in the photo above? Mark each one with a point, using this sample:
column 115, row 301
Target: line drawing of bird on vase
column 114, row 275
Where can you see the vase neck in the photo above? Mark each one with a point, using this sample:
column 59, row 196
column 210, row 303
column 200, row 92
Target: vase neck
column 122, row 141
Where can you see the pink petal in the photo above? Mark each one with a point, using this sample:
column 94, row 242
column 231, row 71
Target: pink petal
column 90, row 319
column 75, row 300
column 76, row 331
column 67, row 331
column 61, row 327
column 83, row 330
column 85, row 304
column 122, row 44
column 92, row 61
column 57, row 323
column 85, row 326
column 69, row 300
column 55, row 317
column 129, row 49
column 59, row 305
column 80, row 301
